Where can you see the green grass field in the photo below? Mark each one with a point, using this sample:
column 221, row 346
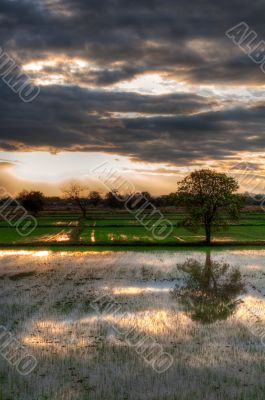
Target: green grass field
column 119, row 227
column 40, row 234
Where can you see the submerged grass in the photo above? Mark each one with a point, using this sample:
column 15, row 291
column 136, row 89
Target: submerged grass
column 79, row 356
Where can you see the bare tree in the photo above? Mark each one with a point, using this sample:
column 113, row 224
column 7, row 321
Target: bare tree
column 77, row 192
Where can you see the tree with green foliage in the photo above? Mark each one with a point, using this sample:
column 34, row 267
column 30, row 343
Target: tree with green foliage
column 210, row 200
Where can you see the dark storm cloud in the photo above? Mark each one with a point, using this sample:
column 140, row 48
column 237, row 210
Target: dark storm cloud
column 141, row 35
column 124, row 39
column 76, row 119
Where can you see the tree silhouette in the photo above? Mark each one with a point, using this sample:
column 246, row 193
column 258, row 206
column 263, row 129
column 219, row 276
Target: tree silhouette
column 32, row 201
column 77, row 192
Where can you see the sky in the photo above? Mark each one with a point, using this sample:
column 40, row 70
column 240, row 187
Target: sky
column 155, row 88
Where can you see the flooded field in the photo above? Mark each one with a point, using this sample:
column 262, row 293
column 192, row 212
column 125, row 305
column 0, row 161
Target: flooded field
column 98, row 321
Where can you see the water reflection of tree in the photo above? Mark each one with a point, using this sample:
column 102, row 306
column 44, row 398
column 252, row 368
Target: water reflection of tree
column 210, row 290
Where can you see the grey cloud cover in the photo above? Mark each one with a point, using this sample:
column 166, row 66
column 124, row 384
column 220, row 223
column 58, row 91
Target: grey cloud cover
column 124, row 39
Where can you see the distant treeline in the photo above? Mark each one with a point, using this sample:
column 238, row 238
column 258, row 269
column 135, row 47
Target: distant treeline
column 114, row 200
column 110, row 200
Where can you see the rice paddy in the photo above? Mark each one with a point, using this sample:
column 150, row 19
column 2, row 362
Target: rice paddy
column 104, row 228
column 46, row 303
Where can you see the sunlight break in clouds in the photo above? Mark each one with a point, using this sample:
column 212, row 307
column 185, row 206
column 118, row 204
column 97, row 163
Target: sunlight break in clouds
column 158, row 87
